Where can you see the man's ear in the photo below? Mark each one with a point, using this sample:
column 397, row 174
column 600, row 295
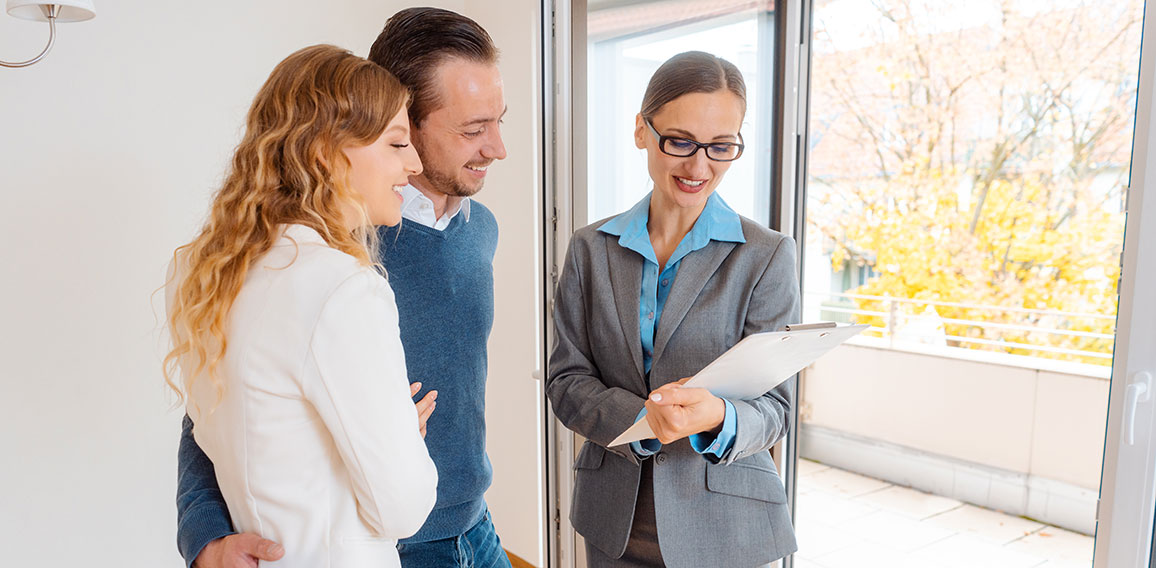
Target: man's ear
column 639, row 132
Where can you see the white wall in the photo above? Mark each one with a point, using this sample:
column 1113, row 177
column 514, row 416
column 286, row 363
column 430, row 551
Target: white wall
column 109, row 151
column 514, row 193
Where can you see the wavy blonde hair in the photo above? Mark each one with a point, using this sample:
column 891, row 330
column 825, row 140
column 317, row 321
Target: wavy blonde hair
column 288, row 168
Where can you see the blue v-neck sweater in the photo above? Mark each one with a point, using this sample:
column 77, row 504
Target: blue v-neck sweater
column 444, row 284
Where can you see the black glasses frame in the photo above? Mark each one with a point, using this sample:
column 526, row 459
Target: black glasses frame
column 662, row 139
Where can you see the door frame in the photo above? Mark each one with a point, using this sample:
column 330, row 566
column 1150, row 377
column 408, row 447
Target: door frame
column 792, row 99
column 1128, row 484
column 564, row 172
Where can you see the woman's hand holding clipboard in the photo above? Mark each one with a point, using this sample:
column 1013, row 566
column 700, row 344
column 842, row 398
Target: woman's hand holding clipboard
column 759, row 363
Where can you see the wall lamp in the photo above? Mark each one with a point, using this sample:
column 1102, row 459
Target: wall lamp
column 49, row 11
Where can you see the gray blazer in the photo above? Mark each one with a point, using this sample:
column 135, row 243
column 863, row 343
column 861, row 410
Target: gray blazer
column 733, row 513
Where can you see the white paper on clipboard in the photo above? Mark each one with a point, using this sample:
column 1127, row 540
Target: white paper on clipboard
column 757, row 364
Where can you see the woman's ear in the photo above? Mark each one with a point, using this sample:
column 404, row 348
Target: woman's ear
column 333, row 162
column 319, row 154
column 639, row 131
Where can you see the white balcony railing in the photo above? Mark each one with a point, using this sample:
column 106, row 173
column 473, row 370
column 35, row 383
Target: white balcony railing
column 913, row 320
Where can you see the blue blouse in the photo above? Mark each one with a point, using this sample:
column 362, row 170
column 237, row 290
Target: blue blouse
column 717, row 222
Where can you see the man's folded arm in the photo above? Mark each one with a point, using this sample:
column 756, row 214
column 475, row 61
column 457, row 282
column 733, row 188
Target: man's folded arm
column 202, row 515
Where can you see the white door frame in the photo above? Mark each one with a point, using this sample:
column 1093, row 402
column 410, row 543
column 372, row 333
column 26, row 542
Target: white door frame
column 1128, row 486
column 565, row 173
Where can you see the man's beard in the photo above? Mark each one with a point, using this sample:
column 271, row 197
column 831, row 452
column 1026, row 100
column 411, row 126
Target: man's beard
column 448, row 184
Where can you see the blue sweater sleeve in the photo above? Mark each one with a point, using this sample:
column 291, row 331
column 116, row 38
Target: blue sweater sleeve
column 202, row 515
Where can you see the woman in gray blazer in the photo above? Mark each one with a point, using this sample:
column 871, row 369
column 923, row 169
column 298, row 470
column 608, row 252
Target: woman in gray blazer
column 650, row 297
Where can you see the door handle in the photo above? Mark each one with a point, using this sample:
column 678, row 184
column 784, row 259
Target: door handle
column 1139, row 390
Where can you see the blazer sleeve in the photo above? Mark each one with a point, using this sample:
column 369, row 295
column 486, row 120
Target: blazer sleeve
column 763, row 421
column 359, row 387
column 577, row 393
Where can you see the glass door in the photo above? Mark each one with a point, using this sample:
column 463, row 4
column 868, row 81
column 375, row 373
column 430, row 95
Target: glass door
column 1128, row 493
column 967, row 193
column 604, row 52
column 957, row 174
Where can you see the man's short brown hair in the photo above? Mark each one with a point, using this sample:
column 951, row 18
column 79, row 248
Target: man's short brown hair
column 416, row 41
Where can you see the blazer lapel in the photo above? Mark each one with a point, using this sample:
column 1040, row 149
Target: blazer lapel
column 626, row 282
column 694, row 271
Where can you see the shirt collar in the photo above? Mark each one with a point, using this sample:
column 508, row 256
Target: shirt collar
column 630, row 228
column 721, row 222
column 413, row 199
column 717, row 222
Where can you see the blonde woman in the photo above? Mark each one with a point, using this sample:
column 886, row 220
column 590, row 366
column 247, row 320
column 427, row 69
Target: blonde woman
column 285, row 334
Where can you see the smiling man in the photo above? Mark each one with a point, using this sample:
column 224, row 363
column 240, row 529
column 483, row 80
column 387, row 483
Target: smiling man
column 440, row 265
column 457, row 103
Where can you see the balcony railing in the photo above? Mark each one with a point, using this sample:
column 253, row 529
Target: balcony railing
column 1048, row 334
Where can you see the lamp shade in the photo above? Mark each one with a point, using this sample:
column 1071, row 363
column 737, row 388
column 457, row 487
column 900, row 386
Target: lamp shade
column 70, row 10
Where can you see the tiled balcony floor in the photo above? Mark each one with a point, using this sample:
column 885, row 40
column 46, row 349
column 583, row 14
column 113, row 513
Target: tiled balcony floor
column 846, row 520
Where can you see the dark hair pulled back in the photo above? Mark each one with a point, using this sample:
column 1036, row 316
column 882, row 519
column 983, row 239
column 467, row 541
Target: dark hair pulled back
column 691, row 72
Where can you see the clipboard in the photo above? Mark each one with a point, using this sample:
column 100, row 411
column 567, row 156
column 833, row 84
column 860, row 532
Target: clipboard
column 759, row 363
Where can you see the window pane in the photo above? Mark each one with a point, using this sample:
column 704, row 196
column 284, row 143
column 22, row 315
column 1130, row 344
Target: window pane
column 966, row 185
column 627, row 45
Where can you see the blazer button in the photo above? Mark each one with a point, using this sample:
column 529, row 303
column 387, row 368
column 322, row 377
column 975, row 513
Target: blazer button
column 660, row 458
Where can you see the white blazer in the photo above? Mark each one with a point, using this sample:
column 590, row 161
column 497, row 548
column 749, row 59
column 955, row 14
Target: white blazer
column 316, row 441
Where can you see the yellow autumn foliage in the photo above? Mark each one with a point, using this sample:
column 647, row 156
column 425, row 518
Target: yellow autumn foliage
column 977, row 169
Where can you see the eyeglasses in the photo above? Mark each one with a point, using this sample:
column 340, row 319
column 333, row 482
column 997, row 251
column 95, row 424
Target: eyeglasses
column 685, row 147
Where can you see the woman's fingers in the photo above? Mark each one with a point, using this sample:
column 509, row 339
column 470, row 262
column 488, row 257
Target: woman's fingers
column 425, row 412
column 674, row 394
column 662, row 395
column 654, row 417
column 665, row 422
column 680, row 412
column 426, row 404
column 425, row 408
column 659, row 394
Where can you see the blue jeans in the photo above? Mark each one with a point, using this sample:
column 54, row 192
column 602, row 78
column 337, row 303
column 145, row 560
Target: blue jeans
column 479, row 547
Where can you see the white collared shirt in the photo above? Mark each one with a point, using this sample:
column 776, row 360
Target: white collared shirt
column 419, row 208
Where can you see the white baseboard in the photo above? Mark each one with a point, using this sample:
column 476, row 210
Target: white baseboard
column 1046, row 500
